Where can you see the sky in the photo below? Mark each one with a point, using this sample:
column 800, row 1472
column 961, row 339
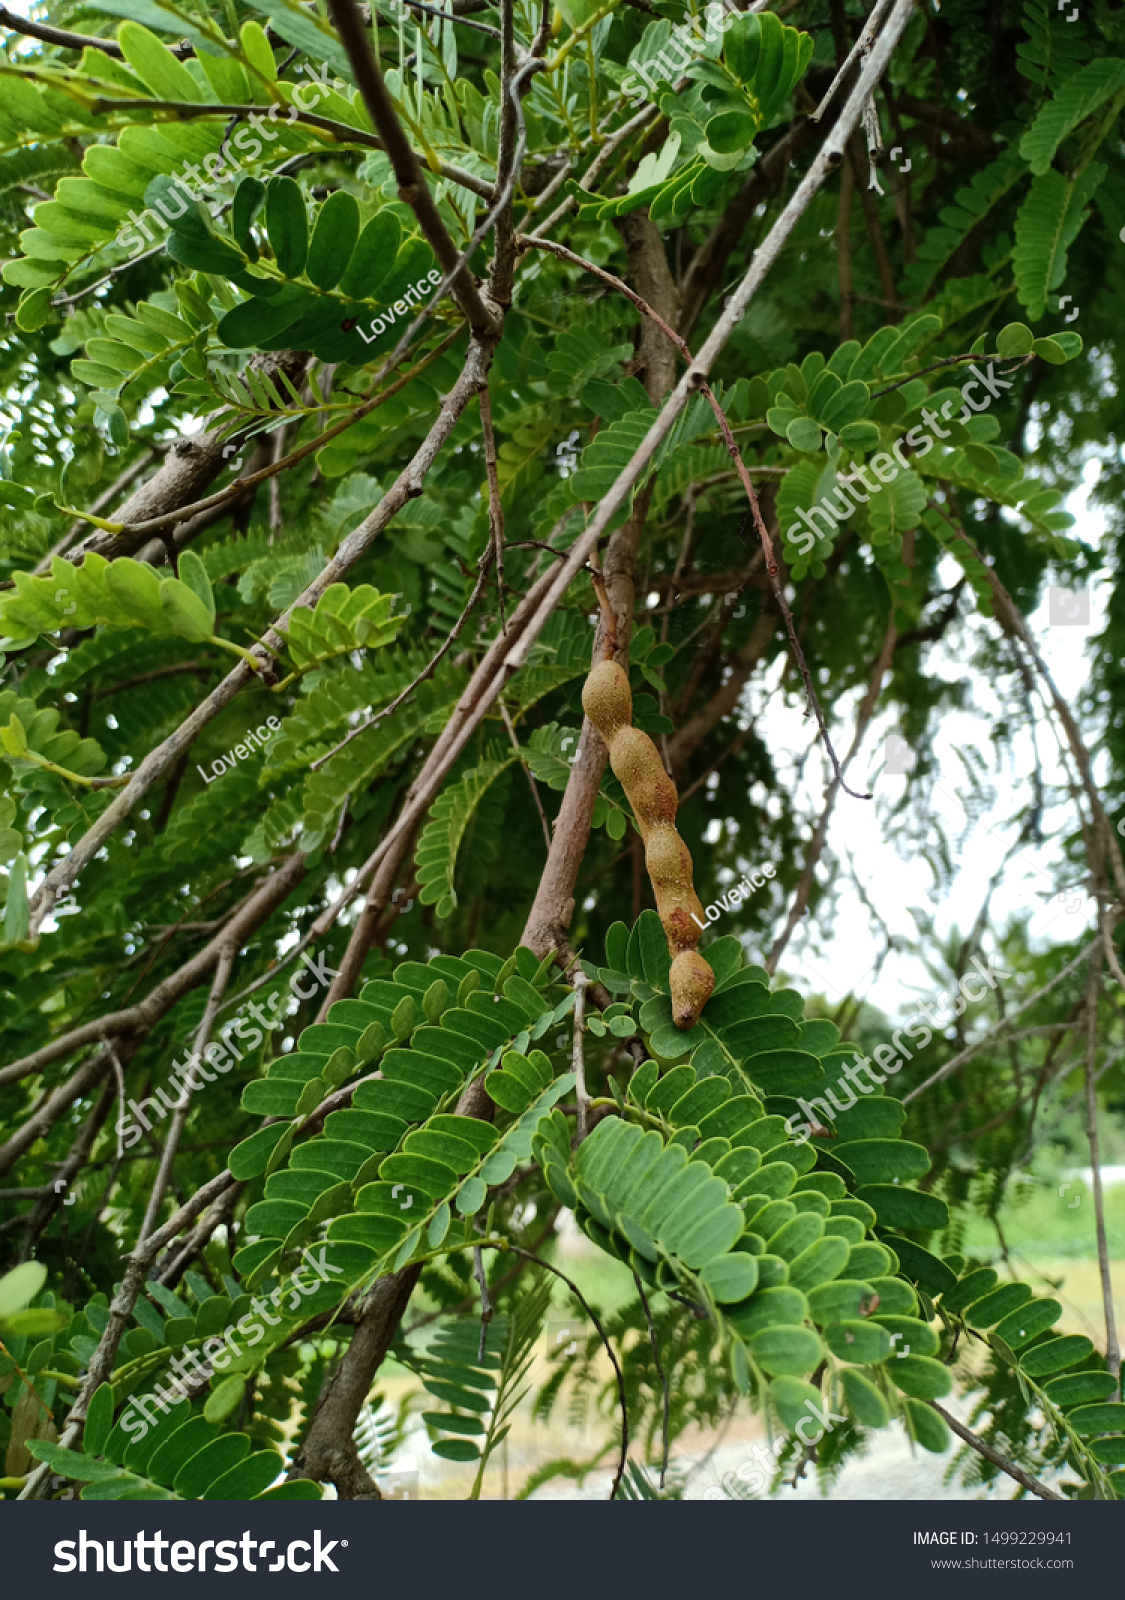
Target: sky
column 842, row 957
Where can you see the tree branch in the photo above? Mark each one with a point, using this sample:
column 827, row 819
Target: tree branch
column 412, row 187
column 975, row 1442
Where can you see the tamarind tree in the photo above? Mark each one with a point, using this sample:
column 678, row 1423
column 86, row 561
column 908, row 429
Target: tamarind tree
column 445, row 449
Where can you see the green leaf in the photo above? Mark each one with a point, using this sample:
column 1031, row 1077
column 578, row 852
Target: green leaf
column 17, row 914
column 184, row 612
column 803, row 434
column 926, row 1427
column 251, row 1477
column 1016, row 339
column 34, row 308
column 73, row 1463
column 786, row 1351
column 155, row 65
column 795, row 1401
column 1056, row 1355
column 216, row 1458
column 99, row 1419
column 1075, row 100
column 249, row 198
column 1048, row 223
column 860, row 436
column 250, row 1158
column 137, row 593
column 333, row 239
column 920, row 1376
column 1080, row 1388
column 863, row 1399
column 373, row 259
column 19, row 1287
column 224, row 1398
column 194, row 575
column 287, row 224
column 731, row 1278
column 731, row 130
column 905, row 1208
column 883, row 1161
column 1088, row 1421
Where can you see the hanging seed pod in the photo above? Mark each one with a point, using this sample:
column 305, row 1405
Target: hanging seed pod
column 608, row 702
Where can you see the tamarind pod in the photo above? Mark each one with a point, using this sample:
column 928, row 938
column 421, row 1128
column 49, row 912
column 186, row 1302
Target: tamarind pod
column 607, row 699
column 691, row 982
column 608, row 702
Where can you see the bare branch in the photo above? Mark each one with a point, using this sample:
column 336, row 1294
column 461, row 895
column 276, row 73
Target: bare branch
column 1112, row 1347
column 202, row 1039
column 975, row 1442
column 495, row 508
column 412, row 186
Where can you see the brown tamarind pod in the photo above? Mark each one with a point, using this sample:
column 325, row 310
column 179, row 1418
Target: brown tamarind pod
column 637, row 765
column 607, row 699
column 608, row 702
column 667, row 859
column 691, row 981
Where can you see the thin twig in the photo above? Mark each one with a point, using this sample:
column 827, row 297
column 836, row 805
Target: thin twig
column 743, row 473
column 370, row 402
column 342, row 132
column 534, row 787
column 1001, row 1027
column 427, row 671
column 816, row 847
column 412, row 185
column 451, row 16
column 1112, row 1347
column 485, row 1302
column 1007, row 609
column 663, row 1377
column 120, row 1311
column 76, row 41
column 202, row 1040
column 495, row 509
column 861, row 48
column 609, row 1350
column 975, row 1442
column 609, row 616
column 106, row 498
